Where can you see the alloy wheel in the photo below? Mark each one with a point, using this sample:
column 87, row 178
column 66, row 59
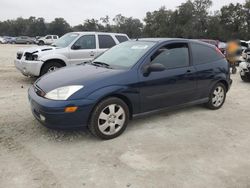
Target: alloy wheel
column 111, row 119
column 218, row 96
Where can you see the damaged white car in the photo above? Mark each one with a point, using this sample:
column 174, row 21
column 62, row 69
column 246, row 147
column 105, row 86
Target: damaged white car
column 71, row 49
column 245, row 66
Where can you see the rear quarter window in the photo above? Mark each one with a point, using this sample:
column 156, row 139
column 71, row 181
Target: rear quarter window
column 106, row 41
column 121, row 38
column 203, row 54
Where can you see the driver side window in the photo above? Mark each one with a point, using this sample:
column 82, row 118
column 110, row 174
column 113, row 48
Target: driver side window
column 172, row 56
column 86, row 42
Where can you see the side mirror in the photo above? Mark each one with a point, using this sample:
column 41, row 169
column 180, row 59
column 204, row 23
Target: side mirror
column 156, row 67
column 75, row 47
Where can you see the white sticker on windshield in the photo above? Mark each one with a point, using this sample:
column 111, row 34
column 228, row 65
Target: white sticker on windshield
column 139, row 47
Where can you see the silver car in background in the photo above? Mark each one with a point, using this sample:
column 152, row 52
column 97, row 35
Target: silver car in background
column 2, row 40
column 71, row 49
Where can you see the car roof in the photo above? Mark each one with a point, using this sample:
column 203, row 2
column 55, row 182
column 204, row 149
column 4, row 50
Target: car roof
column 95, row 32
column 160, row 40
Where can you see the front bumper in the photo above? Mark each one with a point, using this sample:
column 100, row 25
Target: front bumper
column 28, row 68
column 51, row 113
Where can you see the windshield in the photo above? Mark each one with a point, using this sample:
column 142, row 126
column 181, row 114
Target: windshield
column 65, row 40
column 125, row 55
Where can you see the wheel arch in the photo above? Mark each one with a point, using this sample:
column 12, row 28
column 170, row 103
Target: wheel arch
column 52, row 60
column 41, row 41
column 225, row 83
column 119, row 96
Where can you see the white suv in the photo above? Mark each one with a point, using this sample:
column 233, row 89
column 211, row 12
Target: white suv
column 48, row 39
column 71, row 49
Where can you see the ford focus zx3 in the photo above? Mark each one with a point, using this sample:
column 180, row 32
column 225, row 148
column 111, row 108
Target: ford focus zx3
column 132, row 79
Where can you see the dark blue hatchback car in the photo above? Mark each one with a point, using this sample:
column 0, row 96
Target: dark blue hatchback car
column 131, row 79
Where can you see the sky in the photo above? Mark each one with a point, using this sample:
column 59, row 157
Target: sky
column 76, row 11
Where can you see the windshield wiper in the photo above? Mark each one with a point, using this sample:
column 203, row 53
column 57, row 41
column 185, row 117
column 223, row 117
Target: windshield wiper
column 84, row 63
column 97, row 63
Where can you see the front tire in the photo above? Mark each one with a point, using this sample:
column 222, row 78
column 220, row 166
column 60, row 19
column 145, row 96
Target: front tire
column 109, row 118
column 40, row 43
column 50, row 67
column 217, row 97
column 245, row 77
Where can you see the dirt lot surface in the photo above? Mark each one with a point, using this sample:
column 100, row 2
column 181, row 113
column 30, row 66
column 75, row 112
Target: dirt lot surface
column 192, row 147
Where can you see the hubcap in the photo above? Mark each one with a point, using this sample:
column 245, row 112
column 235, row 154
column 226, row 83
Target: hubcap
column 111, row 119
column 51, row 69
column 218, row 96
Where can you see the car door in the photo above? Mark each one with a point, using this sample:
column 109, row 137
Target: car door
column 25, row 40
column 84, row 49
column 54, row 38
column 17, row 40
column 22, row 40
column 175, row 85
column 48, row 39
column 105, row 41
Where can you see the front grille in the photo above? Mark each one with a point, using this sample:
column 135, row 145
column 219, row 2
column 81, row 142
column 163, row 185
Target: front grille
column 39, row 91
column 19, row 55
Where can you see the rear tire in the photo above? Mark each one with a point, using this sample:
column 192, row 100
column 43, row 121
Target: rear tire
column 217, row 97
column 50, row 67
column 109, row 119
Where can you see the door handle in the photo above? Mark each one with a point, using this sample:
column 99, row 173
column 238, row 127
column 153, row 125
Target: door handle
column 92, row 54
column 189, row 71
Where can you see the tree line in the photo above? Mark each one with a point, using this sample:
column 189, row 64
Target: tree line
column 191, row 19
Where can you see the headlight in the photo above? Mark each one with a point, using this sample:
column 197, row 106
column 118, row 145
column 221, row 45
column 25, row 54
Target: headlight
column 31, row 57
column 63, row 93
column 35, row 57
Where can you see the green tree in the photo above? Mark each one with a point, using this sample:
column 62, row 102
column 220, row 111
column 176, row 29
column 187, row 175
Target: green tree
column 107, row 26
column 214, row 27
column 200, row 17
column 233, row 21
column 58, row 27
column 158, row 23
column 247, row 11
column 36, row 27
column 131, row 26
column 92, row 25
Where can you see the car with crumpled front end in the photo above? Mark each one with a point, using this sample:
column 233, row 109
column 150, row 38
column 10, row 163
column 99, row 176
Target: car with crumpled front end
column 71, row 49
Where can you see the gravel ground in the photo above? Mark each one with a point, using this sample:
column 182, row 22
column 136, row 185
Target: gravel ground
column 191, row 147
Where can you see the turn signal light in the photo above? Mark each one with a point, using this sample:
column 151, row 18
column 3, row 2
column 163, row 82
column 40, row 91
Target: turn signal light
column 70, row 109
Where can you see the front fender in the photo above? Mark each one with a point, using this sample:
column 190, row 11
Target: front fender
column 55, row 56
column 123, row 92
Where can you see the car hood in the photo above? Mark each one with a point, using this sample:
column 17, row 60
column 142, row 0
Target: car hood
column 86, row 75
column 38, row 49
